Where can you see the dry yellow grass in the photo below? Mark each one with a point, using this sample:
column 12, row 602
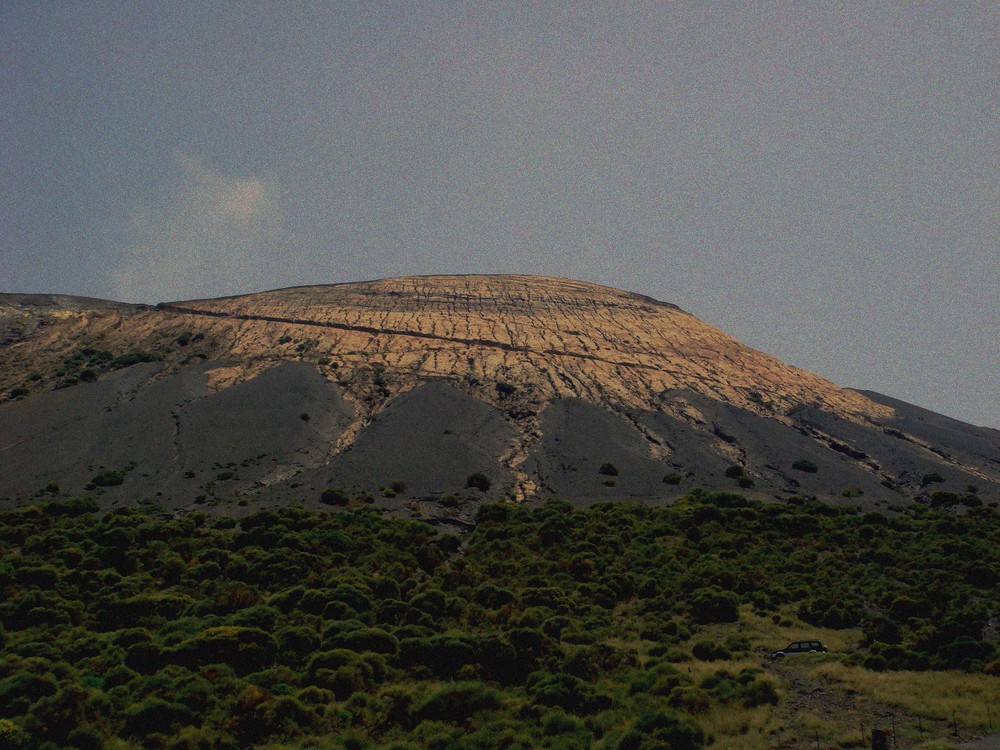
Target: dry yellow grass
column 973, row 700
column 737, row 728
column 699, row 670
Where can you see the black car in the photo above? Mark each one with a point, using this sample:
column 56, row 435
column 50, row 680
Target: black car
column 799, row 647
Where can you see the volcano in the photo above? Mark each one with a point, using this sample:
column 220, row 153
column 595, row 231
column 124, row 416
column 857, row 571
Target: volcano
column 428, row 395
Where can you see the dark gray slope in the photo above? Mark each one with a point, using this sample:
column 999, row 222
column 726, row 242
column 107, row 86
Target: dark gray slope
column 577, row 438
column 766, row 449
column 65, row 302
column 916, row 444
column 163, row 429
column 858, row 464
column 271, row 439
column 431, row 439
column 961, row 441
column 69, row 436
column 261, row 431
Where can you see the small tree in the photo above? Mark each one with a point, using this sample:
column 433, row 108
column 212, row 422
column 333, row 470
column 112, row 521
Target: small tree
column 333, row 496
column 930, row 478
column 505, row 389
column 478, row 481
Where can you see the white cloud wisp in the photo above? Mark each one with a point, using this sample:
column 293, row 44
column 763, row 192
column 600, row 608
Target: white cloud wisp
column 205, row 238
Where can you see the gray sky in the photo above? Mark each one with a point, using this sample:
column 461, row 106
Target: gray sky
column 819, row 180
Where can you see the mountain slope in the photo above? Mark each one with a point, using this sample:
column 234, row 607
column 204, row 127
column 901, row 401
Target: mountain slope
column 536, row 383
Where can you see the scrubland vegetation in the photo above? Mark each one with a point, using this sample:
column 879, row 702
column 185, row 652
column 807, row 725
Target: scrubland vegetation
column 615, row 627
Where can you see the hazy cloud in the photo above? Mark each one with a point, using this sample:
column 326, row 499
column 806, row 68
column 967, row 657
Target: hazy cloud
column 202, row 238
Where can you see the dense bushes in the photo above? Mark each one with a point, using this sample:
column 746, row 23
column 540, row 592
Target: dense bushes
column 662, row 729
column 180, row 633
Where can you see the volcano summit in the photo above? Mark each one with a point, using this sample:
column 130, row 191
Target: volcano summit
column 417, row 390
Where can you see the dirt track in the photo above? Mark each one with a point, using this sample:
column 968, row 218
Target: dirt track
column 848, row 714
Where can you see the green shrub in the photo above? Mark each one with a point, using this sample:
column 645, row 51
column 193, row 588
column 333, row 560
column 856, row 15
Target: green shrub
column 608, row 469
column 375, row 640
column 930, row 478
column 345, row 681
column 478, row 481
column 689, row 699
column 505, row 389
column 758, row 693
column 830, row 611
column 71, row 707
column 457, row 702
column 875, row 663
column 87, row 737
column 331, row 496
column 945, row 499
column 564, row 691
column 672, row 478
column 12, row 736
column 108, row 479
column 711, row 605
column 132, row 358
column 442, row 655
column 707, row 650
column 298, row 640
column 804, row 464
column 41, row 576
column 662, row 729
column 20, row 690
column 245, row 649
column 153, row 714
column 559, row 723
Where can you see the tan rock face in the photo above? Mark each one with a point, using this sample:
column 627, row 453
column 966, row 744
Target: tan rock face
column 545, row 337
column 518, row 341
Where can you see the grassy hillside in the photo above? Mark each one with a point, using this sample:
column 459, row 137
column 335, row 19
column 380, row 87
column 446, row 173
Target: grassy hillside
column 618, row 626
